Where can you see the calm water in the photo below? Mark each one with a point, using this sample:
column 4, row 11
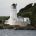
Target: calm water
column 10, row 32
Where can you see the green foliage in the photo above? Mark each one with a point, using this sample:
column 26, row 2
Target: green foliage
column 4, row 17
column 29, row 11
column 26, row 11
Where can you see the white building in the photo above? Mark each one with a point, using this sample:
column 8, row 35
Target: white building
column 24, row 20
column 14, row 20
column 13, row 15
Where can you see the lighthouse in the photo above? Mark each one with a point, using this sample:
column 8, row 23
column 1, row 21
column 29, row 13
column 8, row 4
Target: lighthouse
column 13, row 15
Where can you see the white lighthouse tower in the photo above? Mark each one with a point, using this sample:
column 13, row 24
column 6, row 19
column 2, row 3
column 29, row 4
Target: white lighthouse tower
column 13, row 15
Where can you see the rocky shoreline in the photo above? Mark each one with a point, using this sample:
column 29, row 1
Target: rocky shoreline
column 25, row 28
column 17, row 27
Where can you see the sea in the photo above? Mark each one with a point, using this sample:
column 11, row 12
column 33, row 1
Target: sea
column 12, row 32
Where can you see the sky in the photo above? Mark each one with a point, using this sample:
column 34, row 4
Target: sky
column 5, row 5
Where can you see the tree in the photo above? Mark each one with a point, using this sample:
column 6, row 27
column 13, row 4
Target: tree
column 29, row 11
